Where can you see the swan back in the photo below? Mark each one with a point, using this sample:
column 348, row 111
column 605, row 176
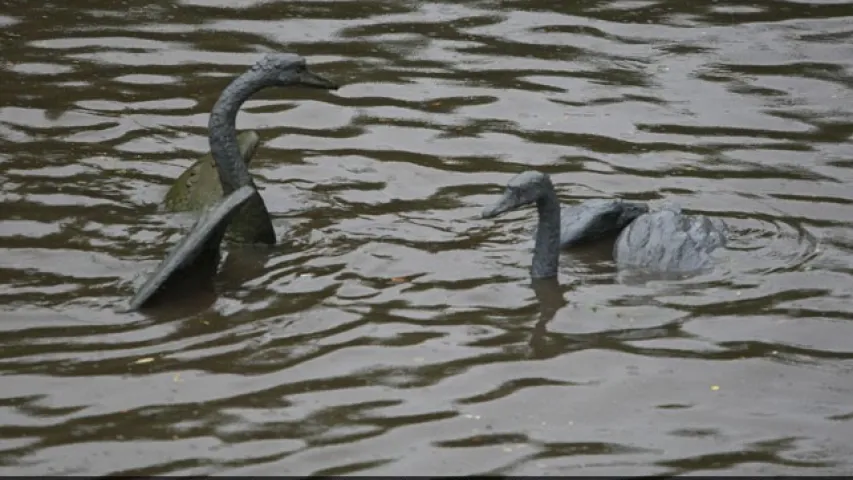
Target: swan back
column 596, row 219
column 669, row 241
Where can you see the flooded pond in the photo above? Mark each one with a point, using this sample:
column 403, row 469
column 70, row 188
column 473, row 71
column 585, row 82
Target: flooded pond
column 391, row 329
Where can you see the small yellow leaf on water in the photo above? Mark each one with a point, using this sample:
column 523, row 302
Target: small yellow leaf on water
column 177, row 377
column 144, row 360
column 715, row 387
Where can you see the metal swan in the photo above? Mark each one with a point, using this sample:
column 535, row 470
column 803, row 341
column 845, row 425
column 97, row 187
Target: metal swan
column 227, row 162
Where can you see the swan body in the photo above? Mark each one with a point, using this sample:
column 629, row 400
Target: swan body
column 200, row 247
column 595, row 219
column 669, row 241
column 199, row 187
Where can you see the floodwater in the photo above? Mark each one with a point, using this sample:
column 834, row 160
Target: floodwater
column 392, row 331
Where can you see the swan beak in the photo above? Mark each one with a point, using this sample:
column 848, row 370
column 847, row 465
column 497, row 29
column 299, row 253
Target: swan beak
column 310, row 79
column 506, row 203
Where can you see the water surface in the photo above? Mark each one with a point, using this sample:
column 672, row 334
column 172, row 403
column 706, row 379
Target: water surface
column 391, row 330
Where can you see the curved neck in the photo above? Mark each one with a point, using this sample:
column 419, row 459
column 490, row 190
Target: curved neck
column 546, row 253
column 233, row 172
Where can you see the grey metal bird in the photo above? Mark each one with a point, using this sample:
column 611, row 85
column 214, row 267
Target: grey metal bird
column 242, row 202
column 202, row 183
column 665, row 240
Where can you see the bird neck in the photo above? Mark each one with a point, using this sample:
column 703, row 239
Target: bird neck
column 546, row 253
column 233, row 172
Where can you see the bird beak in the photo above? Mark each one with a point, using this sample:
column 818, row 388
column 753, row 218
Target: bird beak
column 308, row 78
column 506, row 203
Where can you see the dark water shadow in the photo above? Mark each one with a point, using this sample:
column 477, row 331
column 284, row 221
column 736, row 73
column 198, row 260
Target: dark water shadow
column 550, row 296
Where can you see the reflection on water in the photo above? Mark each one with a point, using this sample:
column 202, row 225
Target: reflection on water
column 392, row 330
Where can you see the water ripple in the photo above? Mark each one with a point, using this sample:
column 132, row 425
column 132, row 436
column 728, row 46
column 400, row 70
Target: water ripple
column 392, row 330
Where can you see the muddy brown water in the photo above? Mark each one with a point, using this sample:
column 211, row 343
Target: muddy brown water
column 391, row 331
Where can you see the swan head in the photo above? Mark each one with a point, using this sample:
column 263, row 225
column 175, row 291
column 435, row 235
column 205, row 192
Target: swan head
column 523, row 189
column 288, row 69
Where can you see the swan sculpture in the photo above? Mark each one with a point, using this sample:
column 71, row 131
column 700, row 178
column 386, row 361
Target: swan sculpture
column 660, row 241
column 200, row 185
column 241, row 202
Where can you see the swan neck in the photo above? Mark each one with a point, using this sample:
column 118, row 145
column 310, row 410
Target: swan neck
column 233, row 171
column 546, row 252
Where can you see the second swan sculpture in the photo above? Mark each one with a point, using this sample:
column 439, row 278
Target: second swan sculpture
column 661, row 241
column 199, row 249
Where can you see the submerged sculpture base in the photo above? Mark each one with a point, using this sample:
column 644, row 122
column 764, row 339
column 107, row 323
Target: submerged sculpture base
column 197, row 254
